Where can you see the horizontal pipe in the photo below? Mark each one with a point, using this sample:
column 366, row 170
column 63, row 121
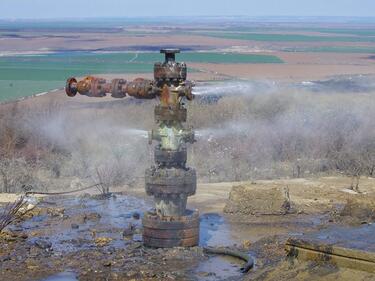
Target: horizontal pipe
column 119, row 88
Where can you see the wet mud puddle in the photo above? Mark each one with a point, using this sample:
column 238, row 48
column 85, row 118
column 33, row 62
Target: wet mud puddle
column 76, row 238
column 72, row 224
column 215, row 231
column 63, row 276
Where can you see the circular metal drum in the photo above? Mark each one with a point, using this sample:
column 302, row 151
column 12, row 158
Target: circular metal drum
column 171, row 232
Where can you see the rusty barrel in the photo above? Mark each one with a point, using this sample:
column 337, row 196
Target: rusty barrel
column 168, row 232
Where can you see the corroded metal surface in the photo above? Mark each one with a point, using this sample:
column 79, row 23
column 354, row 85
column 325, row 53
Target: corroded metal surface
column 170, row 158
column 175, row 234
column 170, row 70
column 171, row 181
column 170, row 113
column 170, row 243
column 171, row 231
column 142, row 89
column 118, row 88
column 71, row 87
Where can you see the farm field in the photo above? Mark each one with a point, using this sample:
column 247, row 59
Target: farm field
column 37, row 57
column 277, row 37
column 32, row 74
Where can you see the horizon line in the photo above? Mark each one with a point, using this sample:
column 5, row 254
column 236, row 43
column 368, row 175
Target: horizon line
column 186, row 17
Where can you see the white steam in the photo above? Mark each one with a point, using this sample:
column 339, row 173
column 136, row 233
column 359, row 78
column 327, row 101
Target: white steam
column 238, row 88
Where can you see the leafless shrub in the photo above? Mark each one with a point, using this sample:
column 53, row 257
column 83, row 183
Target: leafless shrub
column 351, row 165
column 17, row 175
column 105, row 177
column 368, row 156
column 12, row 212
column 280, row 134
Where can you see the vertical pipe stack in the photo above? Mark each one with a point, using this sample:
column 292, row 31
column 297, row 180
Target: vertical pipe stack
column 170, row 181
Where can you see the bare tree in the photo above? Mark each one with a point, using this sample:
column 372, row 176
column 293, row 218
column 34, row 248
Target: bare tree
column 17, row 175
column 105, row 178
column 351, row 164
column 368, row 156
column 12, row 212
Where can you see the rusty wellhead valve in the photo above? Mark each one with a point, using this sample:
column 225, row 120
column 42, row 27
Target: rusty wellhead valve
column 169, row 180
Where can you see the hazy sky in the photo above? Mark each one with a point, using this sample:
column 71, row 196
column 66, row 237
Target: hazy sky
column 133, row 8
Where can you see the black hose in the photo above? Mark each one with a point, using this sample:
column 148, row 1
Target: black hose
column 233, row 253
column 62, row 193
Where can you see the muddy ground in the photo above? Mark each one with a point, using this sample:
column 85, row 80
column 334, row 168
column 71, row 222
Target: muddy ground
column 91, row 237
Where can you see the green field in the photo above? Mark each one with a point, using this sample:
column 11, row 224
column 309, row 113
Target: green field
column 302, row 30
column 334, row 49
column 348, row 31
column 27, row 75
column 275, row 37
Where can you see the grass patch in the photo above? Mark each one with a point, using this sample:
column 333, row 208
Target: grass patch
column 302, row 30
column 348, row 31
column 287, row 37
column 334, row 49
column 11, row 89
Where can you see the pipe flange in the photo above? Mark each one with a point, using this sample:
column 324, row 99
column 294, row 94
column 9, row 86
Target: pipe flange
column 71, row 87
column 170, row 71
column 167, row 232
column 171, row 181
column 117, row 91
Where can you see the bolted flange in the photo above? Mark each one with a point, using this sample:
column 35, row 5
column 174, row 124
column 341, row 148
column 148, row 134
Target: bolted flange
column 171, row 181
column 167, row 232
column 170, row 158
column 170, row 70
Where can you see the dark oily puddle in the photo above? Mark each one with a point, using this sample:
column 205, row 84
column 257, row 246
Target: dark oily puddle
column 73, row 224
column 217, row 230
column 63, row 276
column 76, row 223
column 219, row 268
